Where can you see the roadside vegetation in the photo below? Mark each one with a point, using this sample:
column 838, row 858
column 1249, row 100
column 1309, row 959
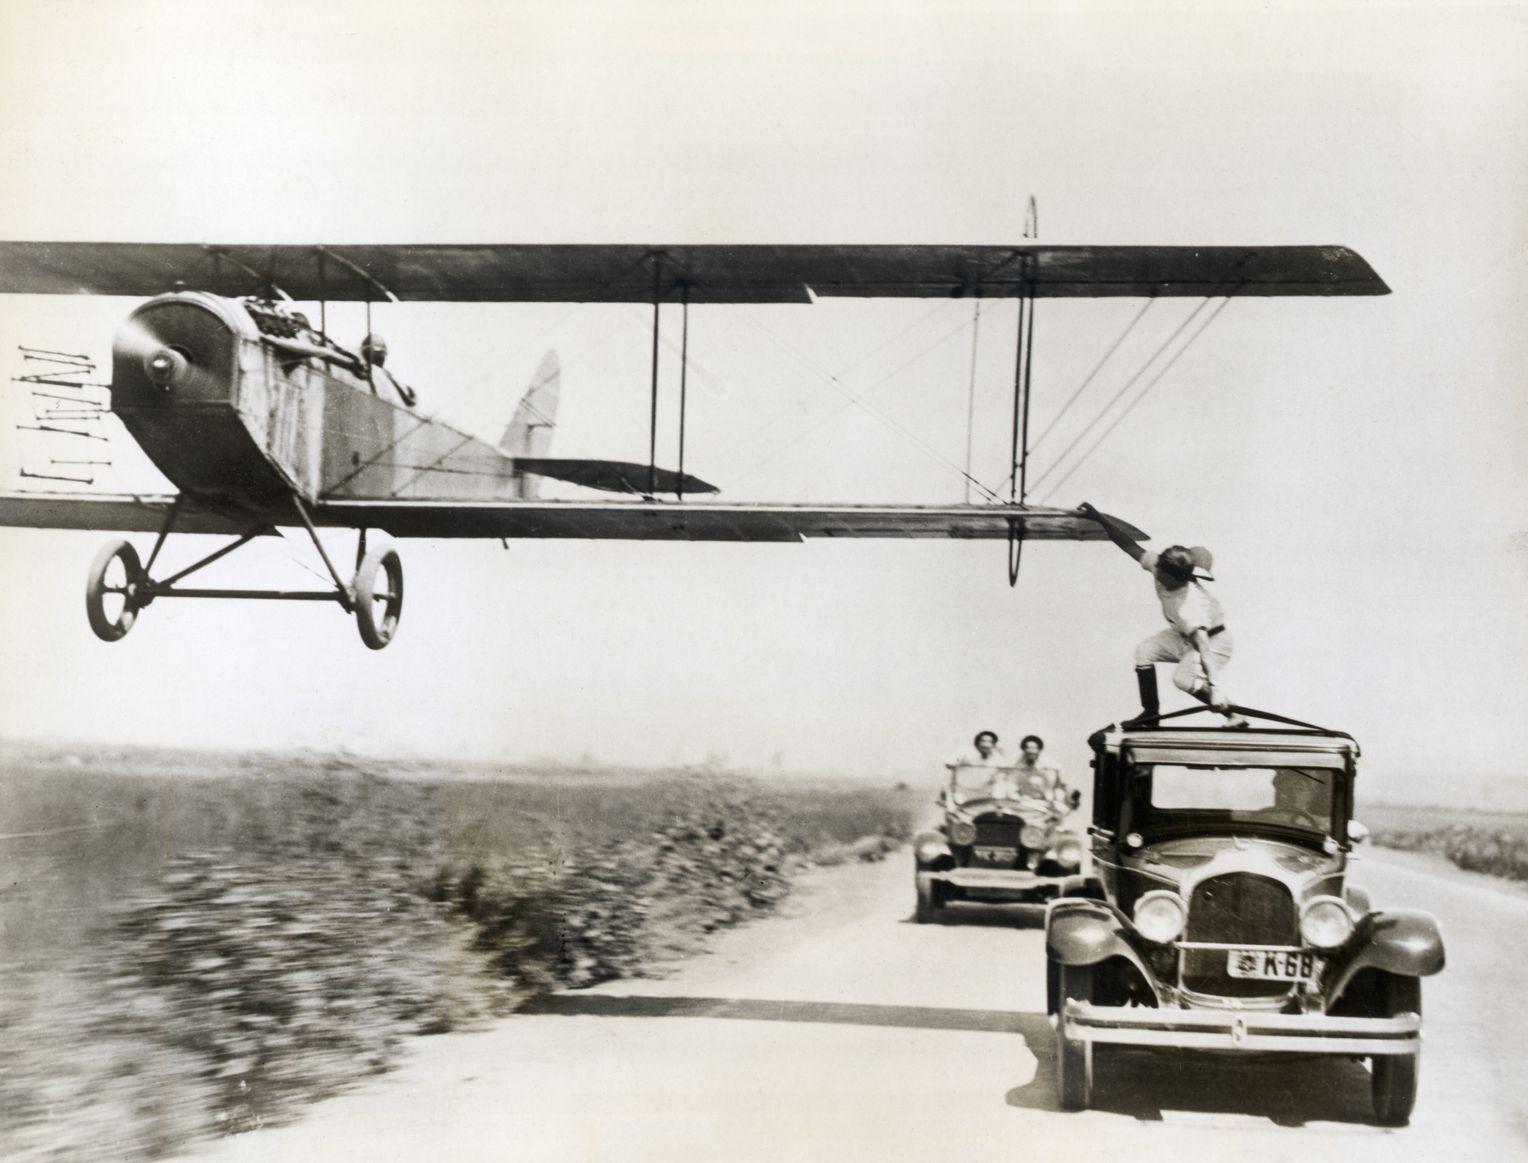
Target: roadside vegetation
column 200, row 953
column 1492, row 843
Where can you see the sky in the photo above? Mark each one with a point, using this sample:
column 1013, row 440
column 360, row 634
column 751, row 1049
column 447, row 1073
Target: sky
column 1355, row 464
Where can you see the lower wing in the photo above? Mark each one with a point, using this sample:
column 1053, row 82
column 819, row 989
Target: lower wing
column 598, row 520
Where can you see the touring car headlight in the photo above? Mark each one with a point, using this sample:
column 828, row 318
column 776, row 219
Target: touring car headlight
column 1159, row 916
column 962, row 832
column 1033, row 836
column 1326, row 923
column 1068, row 853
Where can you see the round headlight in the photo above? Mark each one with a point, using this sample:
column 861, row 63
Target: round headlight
column 1159, row 916
column 1033, row 836
column 1326, row 923
column 1068, row 854
column 962, row 832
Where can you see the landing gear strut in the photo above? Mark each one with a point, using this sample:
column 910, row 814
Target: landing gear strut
column 119, row 586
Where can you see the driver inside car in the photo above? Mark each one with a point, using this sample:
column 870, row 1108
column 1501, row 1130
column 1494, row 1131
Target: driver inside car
column 1302, row 795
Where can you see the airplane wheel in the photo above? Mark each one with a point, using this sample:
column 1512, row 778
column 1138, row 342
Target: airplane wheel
column 377, row 610
column 112, row 598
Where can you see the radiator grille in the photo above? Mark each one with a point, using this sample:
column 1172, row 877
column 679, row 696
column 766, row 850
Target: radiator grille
column 998, row 832
column 1237, row 909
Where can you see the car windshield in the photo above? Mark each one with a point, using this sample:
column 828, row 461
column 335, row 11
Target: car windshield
column 1177, row 797
column 1004, row 783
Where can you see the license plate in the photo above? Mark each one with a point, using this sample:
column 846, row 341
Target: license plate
column 986, row 855
column 1266, row 965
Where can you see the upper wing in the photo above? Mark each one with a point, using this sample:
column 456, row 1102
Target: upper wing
column 703, row 274
column 598, row 520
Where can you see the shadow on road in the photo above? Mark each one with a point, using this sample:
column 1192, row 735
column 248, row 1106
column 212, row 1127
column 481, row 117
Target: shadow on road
column 1141, row 1084
column 1138, row 1084
column 1034, row 1028
column 997, row 916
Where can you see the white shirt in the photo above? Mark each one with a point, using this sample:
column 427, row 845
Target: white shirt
column 1188, row 608
column 971, row 757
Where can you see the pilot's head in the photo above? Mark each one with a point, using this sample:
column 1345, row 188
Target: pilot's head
column 374, row 350
column 985, row 743
column 1032, row 745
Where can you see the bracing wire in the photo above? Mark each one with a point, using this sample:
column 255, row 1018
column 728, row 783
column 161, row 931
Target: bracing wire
column 859, row 400
column 1141, row 396
column 1128, row 384
column 1089, row 378
column 976, row 332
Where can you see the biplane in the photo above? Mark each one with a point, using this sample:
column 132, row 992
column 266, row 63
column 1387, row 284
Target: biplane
column 262, row 420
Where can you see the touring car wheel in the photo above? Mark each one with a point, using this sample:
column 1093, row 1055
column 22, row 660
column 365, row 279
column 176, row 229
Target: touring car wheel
column 377, row 609
column 930, row 899
column 1395, row 1075
column 113, row 590
column 1074, row 1065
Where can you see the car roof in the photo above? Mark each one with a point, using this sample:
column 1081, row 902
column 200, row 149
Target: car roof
column 1186, row 744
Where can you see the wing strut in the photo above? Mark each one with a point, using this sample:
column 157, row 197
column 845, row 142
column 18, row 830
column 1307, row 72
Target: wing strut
column 1024, row 344
column 652, row 427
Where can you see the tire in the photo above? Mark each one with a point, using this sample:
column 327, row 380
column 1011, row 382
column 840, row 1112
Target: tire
column 102, row 588
column 1074, row 1059
column 929, row 900
column 377, row 611
column 1394, row 1083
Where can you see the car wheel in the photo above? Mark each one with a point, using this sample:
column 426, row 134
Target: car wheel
column 928, row 900
column 1395, row 1075
column 1074, row 1057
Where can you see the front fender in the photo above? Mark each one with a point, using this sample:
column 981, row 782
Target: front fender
column 1084, row 932
column 1405, row 942
column 932, row 851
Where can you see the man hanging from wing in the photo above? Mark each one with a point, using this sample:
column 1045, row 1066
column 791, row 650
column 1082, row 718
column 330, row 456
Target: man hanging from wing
column 1195, row 638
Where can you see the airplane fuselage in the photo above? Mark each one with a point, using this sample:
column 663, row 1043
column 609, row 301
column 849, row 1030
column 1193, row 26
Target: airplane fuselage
column 240, row 403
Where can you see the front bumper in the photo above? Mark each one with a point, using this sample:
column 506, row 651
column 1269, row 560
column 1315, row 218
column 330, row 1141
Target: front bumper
column 1250, row 1032
column 999, row 881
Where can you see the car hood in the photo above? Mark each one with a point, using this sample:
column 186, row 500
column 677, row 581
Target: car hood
column 1181, row 864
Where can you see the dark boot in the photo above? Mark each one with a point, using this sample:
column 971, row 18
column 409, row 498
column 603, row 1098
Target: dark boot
column 1151, row 707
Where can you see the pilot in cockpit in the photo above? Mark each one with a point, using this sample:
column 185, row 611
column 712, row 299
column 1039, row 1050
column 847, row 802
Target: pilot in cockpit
column 374, row 355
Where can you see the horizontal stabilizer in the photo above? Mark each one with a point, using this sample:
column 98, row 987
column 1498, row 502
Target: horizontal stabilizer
column 614, row 476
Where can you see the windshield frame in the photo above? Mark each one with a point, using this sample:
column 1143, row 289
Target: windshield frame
column 1138, row 814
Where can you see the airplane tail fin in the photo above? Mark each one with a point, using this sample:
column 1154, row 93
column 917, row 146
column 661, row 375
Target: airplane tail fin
column 529, row 434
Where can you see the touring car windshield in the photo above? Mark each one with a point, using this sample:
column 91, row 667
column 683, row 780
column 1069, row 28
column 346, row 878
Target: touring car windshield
column 1168, row 797
column 1000, row 782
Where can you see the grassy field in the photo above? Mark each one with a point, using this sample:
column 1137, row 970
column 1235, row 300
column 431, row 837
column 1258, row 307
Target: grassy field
column 1494, row 842
column 194, row 944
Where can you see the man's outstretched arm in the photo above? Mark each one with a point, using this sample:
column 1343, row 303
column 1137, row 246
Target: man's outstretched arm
column 1115, row 532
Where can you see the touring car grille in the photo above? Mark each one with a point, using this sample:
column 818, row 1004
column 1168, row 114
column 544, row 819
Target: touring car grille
column 1237, row 909
column 998, row 833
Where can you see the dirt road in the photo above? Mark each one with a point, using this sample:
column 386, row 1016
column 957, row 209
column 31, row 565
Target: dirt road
column 843, row 1031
